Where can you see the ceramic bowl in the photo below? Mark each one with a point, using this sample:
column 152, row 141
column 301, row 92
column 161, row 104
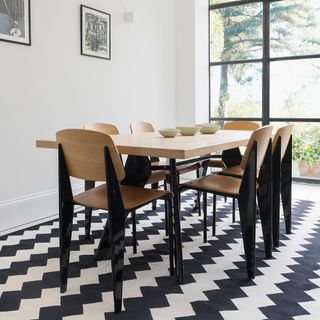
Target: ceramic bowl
column 209, row 128
column 169, row 132
column 188, row 131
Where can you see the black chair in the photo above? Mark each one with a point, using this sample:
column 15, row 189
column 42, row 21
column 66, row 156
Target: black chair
column 92, row 156
column 244, row 190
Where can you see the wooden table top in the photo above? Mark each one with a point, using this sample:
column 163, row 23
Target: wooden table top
column 180, row 147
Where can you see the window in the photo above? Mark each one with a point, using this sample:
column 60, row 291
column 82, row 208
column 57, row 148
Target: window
column 265, row 66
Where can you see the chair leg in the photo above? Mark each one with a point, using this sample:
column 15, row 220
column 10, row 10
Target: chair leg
column 276, row 185
column 264, row 196
column 166, row 212
column 87, row 221
column 203, row 202
column 65, row 221
column 117, row 256
column 286, row 204
column 198, row 195
column 199, row 204
column 214, row 209
column 88, row 211
column 179, row 193
column 264, row 204
column 205, row 218
column 276, row 213
column 247, row 209
column 116, row 226
column 170, row 231
column 248, row 226
column 154, row 203
column 233, row 210
column 134, row 231
column 286, row 185
column 104, row 244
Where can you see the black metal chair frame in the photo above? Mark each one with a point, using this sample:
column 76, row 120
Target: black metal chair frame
column 114, row 231
column 247, row 208
column 282, row 186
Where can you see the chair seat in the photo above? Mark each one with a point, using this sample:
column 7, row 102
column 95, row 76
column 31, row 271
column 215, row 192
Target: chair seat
column 216, row 163
column 156, row 176
column 180, row 169
column 161, row 175
column 215, row 183
column 234, row 171
column 188, row 168
column 133, row 197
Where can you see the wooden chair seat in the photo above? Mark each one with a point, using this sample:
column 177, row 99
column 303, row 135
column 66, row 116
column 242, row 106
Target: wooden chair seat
column 217, row 184
column 216, row 163
column 180, row 169
column 235, row 171
column 156, row 176
column 188, row 168
column 132, row 197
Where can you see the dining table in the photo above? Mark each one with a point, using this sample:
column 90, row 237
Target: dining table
column 177, row 151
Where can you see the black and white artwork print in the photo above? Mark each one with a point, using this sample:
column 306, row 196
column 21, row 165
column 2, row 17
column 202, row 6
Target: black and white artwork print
column 15, row 21
column 95, row 33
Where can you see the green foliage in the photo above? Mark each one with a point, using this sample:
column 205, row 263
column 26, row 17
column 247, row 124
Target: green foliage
column 306, row 145
column 294, row 28
column 244, row 108
column 236, row 34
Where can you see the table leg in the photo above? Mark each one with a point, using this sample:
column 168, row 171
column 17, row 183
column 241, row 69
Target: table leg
column 176, row 222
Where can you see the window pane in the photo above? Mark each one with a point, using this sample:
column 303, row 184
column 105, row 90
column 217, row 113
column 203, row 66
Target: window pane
column 236, row 90
column 294, row 27
column 305, row 149
column 294, row 89
column 236, row 33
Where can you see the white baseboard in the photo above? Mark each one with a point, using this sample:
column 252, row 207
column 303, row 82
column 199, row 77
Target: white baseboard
column 21, row 212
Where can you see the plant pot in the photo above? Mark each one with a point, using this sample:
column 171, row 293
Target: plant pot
column 309, row 170
column 316, row 169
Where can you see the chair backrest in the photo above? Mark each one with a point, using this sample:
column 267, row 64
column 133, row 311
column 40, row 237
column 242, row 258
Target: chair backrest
column 83, row 152
column 284, row 133
column 241, row 125
column 106, row 128
column 262, row 137
column 141, row 127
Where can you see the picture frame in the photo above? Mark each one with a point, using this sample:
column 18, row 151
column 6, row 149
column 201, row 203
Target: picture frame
column 15, row 21
column 95, row 33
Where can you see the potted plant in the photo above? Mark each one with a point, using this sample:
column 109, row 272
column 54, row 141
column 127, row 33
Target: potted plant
column 306, row 151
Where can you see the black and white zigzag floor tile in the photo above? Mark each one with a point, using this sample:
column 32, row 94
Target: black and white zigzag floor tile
column 216, row 286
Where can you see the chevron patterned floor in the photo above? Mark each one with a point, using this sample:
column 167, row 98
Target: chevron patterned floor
column 216, row 287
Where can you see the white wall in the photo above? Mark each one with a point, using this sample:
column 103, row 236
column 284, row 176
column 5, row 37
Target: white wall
column 50, row 86
column 192, row 62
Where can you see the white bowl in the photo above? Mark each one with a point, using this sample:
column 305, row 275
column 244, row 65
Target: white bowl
column 169, row 132
column 209, row 128
column 188, row 131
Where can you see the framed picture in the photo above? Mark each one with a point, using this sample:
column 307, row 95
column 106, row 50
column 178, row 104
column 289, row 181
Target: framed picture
column 95, row 33
column 15, row 21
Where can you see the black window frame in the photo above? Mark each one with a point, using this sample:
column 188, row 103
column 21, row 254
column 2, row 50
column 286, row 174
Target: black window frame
column 266, row 61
